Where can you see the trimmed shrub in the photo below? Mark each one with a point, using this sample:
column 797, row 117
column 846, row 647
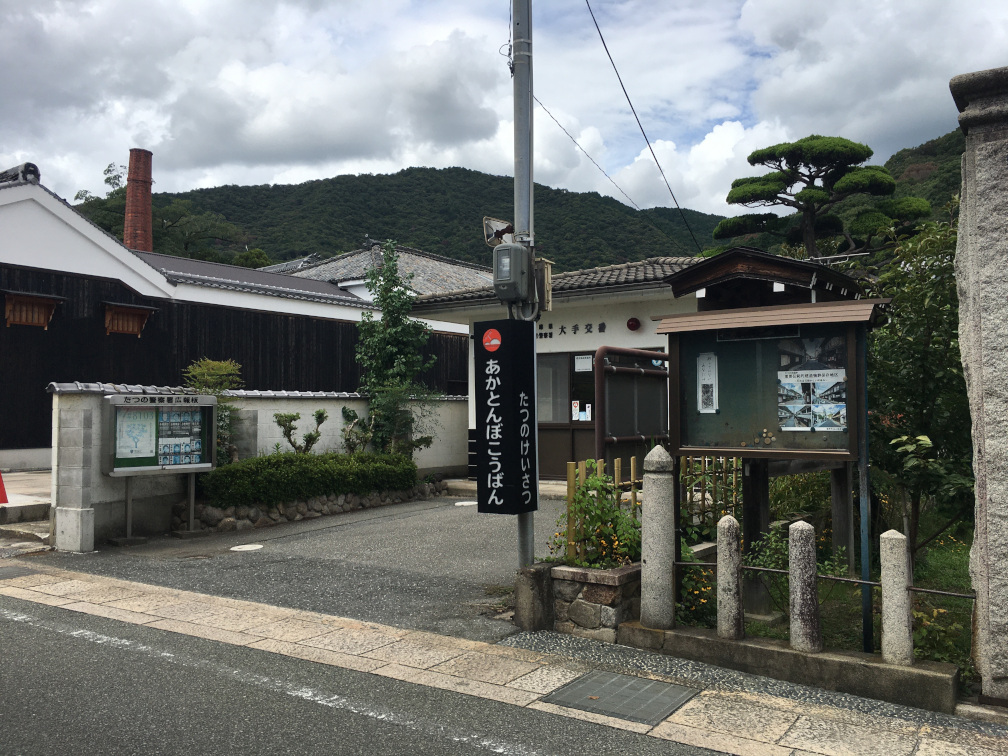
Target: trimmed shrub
column 287, row 477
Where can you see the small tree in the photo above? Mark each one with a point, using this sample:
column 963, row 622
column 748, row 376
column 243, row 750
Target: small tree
column 391, row 355
column 811, row 176
column 920, row 418
column 214, row 377
column 251, row 258
column 286, row 422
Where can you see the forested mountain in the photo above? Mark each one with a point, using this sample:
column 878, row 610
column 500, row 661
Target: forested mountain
column 932, row 171
column 441, row 211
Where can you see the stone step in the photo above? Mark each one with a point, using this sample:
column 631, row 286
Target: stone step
column 33, row 530
column 23, row 512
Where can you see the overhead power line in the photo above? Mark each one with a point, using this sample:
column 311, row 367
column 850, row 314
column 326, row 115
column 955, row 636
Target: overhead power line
column 641, row 126
column 648, row 220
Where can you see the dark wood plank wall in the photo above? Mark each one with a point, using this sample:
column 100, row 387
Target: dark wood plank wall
column 276, row 352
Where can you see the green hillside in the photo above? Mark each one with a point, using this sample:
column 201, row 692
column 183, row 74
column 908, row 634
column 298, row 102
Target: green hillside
column 441, row 211
column 932, row 170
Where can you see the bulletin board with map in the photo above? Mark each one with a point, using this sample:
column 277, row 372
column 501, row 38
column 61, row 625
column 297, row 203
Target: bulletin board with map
column 788, row 391
column 148, row 433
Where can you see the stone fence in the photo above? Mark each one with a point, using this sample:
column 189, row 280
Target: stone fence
column 635, row 606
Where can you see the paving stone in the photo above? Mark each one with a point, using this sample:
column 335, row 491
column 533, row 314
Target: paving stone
column 318, row 655
column 26, row 594
column 203, row 631
column 486, row 667
column 546, row 679
column 717, row 741
column 930, row 747
column 146, row 602
column 590, row 716
column 103, row 610
column 716, row 712
column 413, row 654
column 469, row 687
column 842, row 739
column 289, row 630
column 64, row 587
column 102, row 594
column 356, row 643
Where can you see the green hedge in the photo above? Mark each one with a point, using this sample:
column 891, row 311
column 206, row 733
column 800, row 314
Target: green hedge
column 280, row 478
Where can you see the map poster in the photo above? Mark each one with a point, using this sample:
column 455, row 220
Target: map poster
column 135, row 433
column 812, row 385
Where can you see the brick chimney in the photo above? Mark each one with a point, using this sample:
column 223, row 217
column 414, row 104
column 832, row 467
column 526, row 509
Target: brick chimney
column 137, row 232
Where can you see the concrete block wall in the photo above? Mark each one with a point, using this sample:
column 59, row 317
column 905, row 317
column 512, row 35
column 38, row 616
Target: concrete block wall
column 89, row 506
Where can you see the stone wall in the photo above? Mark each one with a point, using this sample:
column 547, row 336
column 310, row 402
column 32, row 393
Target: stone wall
column 592, row 603
column 209, row 517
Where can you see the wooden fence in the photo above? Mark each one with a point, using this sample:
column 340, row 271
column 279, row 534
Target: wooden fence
column 712, row 488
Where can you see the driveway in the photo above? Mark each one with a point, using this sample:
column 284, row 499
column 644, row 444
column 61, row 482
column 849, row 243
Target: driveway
column 434, row 565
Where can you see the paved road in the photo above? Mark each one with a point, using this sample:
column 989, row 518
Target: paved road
column 77, row 684
column 427, row 565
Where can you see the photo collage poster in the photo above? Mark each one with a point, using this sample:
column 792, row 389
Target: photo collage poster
column 180, row 436
column 812, row 384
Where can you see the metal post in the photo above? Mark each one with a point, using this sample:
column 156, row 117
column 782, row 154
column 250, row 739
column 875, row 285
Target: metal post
column 522, row 73
column 192, row 502
column 129, row 507
column 867, row 631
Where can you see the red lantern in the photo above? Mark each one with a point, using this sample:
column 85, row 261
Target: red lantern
column 633, row 324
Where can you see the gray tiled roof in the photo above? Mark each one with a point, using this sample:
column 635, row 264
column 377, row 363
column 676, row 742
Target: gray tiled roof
column 76, row 387
column 289, row 266
column 632, row 275
column 431, row 274
column 236, row 278
column 209, row 274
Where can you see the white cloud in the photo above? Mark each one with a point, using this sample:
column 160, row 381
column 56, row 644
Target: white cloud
column 225, row 91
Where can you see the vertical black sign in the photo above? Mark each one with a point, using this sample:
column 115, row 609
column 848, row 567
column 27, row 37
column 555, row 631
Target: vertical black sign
column 507, row 463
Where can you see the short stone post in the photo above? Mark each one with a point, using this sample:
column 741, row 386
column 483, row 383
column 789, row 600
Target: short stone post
column 658, row 534
column 730, row 613
column 897, row 622
column 806, row 631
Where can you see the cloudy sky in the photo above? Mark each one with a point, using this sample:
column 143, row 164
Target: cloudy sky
column 263, row 91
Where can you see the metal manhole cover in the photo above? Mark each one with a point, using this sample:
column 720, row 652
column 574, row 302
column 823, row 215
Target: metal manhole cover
column 622, row 696
column 15, row 571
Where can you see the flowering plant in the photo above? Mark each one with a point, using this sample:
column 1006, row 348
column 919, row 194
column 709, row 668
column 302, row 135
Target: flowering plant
column 604, row 532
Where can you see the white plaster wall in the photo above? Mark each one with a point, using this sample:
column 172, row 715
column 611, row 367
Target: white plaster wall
column 449, row 452
column 39, row 231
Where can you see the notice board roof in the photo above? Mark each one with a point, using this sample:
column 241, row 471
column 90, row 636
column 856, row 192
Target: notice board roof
column 856, row 311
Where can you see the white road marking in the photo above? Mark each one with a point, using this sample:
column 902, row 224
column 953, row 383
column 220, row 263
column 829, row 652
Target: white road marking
column 304, row 693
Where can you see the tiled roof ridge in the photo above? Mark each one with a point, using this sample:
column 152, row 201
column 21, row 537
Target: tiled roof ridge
column 77, row 387
column 658, row 260
column 399, row 248
column 257, row 288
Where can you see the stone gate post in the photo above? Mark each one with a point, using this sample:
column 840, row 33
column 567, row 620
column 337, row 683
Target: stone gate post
column 982, row 279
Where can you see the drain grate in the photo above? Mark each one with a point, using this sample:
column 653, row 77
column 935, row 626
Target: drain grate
column 13, row 571
column 622, row 696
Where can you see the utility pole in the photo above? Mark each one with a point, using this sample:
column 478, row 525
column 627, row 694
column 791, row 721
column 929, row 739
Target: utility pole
column 524, row 234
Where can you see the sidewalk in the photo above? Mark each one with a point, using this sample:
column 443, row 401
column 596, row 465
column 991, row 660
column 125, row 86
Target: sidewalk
column 730, row 712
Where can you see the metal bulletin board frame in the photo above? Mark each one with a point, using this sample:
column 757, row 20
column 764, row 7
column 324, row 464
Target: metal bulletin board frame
column 151, row 434
column 775, row 382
